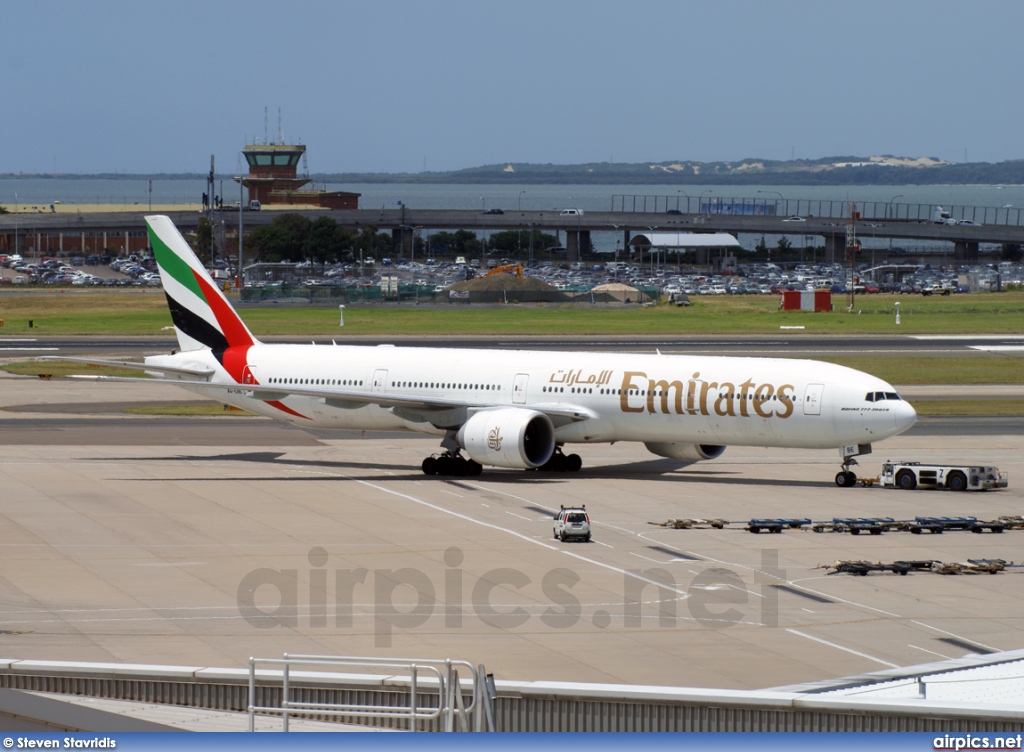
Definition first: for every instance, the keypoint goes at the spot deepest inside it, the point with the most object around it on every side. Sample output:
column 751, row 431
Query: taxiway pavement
column 203, row 541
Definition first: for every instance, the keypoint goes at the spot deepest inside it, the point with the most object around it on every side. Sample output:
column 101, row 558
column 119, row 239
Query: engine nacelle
column 691, row 452
column 508, row 437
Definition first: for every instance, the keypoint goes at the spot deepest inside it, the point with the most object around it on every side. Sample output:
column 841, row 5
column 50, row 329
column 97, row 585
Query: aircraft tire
column 845, row 479
column 429, row 466
column 573, row 463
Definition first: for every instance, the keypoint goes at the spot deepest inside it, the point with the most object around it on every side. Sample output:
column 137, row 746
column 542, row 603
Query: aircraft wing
column 409, row 407
column 135, row 365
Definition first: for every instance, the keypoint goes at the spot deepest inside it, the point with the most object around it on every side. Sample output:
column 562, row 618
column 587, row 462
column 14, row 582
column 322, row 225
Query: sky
column 137, row 86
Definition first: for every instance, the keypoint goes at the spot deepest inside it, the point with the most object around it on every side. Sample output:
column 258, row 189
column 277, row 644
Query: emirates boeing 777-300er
column 515, row 409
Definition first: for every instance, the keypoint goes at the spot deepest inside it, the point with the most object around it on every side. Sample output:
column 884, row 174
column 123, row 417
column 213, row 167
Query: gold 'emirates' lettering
column 697, row 396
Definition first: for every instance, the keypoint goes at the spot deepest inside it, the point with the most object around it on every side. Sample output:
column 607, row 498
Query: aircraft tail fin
column 202, row 316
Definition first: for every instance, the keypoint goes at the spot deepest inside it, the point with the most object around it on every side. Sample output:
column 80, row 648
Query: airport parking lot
column 204, row 541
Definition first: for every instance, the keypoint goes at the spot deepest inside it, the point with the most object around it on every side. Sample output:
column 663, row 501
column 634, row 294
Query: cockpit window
column 879, row 396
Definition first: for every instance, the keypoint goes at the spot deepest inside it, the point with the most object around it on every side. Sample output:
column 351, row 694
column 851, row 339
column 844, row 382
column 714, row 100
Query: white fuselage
column 623, row 396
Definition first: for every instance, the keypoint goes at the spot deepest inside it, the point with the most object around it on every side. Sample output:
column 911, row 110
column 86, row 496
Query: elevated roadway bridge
column 71, row 229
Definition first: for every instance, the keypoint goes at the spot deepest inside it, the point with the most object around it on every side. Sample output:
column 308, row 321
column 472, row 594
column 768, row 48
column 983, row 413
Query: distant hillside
column 887, row 170
column 884, row 170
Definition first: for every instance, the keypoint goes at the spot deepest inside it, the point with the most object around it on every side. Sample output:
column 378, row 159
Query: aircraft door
column 380, row 380
column 812, row 399
column 248, row 377
column 519, row 388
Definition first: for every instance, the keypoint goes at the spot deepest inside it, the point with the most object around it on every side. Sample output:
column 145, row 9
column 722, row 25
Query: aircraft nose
column 905, row 416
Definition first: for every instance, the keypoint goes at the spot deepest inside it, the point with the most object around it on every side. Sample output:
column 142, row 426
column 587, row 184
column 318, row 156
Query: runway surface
column 204, row 541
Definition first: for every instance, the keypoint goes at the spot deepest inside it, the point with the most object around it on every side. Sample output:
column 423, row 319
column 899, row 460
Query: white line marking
column 647, row 558
column 928, row 651
column 517, row 515
column 845, row 649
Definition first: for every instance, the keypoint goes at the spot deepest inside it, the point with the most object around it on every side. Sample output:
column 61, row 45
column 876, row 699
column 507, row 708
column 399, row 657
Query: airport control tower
column 274, row 179
column 273, row 168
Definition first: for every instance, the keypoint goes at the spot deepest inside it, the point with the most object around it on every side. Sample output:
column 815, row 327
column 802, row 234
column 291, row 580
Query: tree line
column 293, row 237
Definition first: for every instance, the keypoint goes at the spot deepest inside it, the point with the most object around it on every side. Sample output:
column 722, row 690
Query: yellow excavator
column 516, row 269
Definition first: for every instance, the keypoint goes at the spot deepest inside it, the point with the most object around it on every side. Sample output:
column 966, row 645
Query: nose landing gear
column 846, row 478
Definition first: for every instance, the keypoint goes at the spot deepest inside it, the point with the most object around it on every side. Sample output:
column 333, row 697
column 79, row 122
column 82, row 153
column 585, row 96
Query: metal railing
column 439, row 697
column 838, row 209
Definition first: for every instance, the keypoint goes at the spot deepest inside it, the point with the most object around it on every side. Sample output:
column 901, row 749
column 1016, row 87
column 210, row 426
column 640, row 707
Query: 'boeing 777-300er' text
column 516, row 409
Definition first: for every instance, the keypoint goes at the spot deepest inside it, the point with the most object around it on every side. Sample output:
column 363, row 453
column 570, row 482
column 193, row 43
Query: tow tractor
column 911, row 475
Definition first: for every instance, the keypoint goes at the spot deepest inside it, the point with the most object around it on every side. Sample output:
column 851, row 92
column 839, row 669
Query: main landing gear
column 562, row 463
column 451, row 464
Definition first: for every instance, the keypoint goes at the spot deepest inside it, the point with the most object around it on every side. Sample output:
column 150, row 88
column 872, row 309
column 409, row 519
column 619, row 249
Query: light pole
column 15, row 223
column 783, row 198
column 238, row 277
column 887, row 207
column 679, row 190
column 412, row 251
column 521, row 200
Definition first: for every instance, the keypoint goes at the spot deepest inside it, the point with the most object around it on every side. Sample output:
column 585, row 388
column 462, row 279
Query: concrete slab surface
column 163, row 541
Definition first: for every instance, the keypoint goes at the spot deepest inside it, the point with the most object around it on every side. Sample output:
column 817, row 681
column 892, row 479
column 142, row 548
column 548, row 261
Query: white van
column 571, row 213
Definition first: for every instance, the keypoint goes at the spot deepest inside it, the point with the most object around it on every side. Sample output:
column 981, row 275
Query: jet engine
column 508, row 437
column 691, row 452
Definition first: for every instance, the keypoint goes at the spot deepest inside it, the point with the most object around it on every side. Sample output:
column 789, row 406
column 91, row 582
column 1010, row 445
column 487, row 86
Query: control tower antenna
column 265, row 136
column 280, row 130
